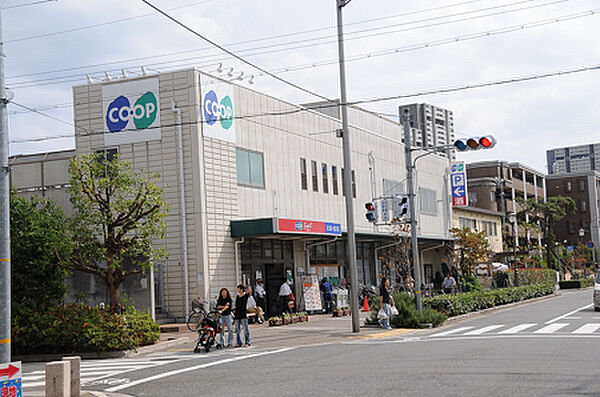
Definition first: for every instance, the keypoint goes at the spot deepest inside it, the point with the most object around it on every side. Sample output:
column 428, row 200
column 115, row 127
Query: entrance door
column 273, row 278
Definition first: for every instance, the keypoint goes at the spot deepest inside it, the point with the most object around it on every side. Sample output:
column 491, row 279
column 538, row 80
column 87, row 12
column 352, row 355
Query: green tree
column 547, row 215
column 39, row 237
column 119, row 211
column 471, row 247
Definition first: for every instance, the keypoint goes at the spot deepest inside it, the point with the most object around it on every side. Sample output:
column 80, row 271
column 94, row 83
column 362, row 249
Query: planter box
column 570, row 284
column 337, row 314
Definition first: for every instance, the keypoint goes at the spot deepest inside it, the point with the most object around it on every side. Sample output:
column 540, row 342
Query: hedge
column 78, row 328
column 454, row 305
column 408, row 315
column 534, row 276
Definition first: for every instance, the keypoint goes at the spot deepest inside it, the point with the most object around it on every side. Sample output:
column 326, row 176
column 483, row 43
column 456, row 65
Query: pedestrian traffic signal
column 401, row 206
column 475, row 143
column 371, row 212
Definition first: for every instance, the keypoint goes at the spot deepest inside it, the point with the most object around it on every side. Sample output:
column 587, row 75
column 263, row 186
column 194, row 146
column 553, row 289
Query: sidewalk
column 320, row 328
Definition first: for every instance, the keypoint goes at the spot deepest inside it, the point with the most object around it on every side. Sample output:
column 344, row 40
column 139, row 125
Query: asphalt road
column 551, row 347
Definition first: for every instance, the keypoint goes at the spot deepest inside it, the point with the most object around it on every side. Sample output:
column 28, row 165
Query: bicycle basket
column 197, row 305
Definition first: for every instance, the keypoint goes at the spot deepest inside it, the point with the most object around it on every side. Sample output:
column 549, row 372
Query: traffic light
column 371, row 212
column 475, row 143
column 401, row 207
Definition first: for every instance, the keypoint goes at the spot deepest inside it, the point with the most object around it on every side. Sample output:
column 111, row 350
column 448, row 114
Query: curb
column 157, row 347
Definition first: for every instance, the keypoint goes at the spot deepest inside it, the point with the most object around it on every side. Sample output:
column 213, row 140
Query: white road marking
column 549, row 329
column 194, row 368
column 484, row 330
column 450, row 332
column 568, row 314
column 573, row 318
column 516, row 329
column 587, row 329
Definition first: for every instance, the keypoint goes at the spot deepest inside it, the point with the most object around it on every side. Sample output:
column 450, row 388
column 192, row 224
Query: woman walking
column 385, row 303
column 224, row 305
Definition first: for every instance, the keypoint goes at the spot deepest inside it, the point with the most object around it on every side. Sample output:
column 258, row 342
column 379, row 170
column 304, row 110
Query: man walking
column 260, row 295
column 449, row 284
column 284, row 297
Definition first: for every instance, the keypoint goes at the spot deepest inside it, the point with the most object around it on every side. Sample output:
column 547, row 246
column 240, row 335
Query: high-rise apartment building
column 435, row 125
column 573, row 159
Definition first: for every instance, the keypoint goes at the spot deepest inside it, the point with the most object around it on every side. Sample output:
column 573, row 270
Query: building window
column 571, row 227
column 107, row 154
column 428, row 201
column 250, row 168
column 493, row 196
column 583, row 206
column 315, row 176
column 467, row 223
column 325, row 178
column 582, row 186
column 489, row 228
column 303, row 176
column 569, row 186
column 334, row 179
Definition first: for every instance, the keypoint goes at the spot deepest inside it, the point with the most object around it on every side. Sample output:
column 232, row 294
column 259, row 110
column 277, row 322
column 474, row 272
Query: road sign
column 590, row 244
column 10, row 380
column 458, row 181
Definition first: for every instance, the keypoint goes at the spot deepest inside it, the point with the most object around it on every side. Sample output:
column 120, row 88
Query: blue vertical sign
column 458, row 182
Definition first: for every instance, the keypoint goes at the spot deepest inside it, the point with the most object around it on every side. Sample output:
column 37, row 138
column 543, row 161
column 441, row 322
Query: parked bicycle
column 199, row 311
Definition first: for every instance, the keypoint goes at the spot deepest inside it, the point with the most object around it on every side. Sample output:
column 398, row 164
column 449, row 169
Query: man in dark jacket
column 241, row 319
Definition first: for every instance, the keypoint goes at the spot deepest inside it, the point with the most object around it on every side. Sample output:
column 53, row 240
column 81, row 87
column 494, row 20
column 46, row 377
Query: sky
column 393, row 48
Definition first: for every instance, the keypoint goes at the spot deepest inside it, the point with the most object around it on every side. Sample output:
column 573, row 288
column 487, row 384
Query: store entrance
column 274, row 277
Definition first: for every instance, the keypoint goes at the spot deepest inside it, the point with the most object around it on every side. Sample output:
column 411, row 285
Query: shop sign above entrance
column 308, row 227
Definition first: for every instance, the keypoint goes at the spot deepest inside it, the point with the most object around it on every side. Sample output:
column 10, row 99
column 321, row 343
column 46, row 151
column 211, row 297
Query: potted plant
column 337, row 312
column 275, row 321
column 346, row 310
column 286, row 319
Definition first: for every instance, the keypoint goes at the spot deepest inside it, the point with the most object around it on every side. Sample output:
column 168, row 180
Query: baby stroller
column 207, row 332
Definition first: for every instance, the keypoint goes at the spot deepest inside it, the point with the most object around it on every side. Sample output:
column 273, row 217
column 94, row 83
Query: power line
column 322, row 40
column 266, row 72
column 413, row 47
column 28, row 4
column 96, row 25
column 297, row 109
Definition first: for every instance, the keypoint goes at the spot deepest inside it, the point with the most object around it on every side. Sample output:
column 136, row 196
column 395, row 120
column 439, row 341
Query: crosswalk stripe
column 484, row 330
column 518, row 328
column 452, row 331
column 587, row 329
column 549, row 329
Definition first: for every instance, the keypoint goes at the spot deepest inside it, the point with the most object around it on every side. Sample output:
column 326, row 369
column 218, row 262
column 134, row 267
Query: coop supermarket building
column 254, row 183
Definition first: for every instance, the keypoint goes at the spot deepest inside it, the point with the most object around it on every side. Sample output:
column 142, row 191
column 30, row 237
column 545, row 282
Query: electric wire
column 323, row 40
column 234, row 55
column 34, row 3
column 298, row 109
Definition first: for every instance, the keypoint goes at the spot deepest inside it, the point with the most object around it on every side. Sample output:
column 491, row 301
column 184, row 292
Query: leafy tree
column 39, row 237
column 548, row 214
column 118, row 211
column 472, row 248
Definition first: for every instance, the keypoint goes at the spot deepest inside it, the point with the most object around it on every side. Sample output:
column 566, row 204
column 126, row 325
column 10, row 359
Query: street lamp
column 512, row 219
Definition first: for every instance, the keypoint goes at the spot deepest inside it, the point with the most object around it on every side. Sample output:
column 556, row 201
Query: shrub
column 534, row 276
column 454, row 305
column 408, row 315
column 78, row 328
column 471, row 283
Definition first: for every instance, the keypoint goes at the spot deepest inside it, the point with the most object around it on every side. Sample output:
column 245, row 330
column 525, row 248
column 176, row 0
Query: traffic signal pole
column 413, row 213
column 348, row 174
column 4, row 218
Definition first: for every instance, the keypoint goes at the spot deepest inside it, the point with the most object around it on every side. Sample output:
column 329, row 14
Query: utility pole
column 412, row 205
column 4, row 218
column 348, row 173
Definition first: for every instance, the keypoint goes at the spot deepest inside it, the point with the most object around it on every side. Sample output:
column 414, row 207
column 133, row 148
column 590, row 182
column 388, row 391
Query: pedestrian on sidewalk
column 385, row 303
column 449, row 284
column 327, row 296
column 284, row 297
column 241, row 319
column 252, row 308
column 224, row 304
column 260, row 295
